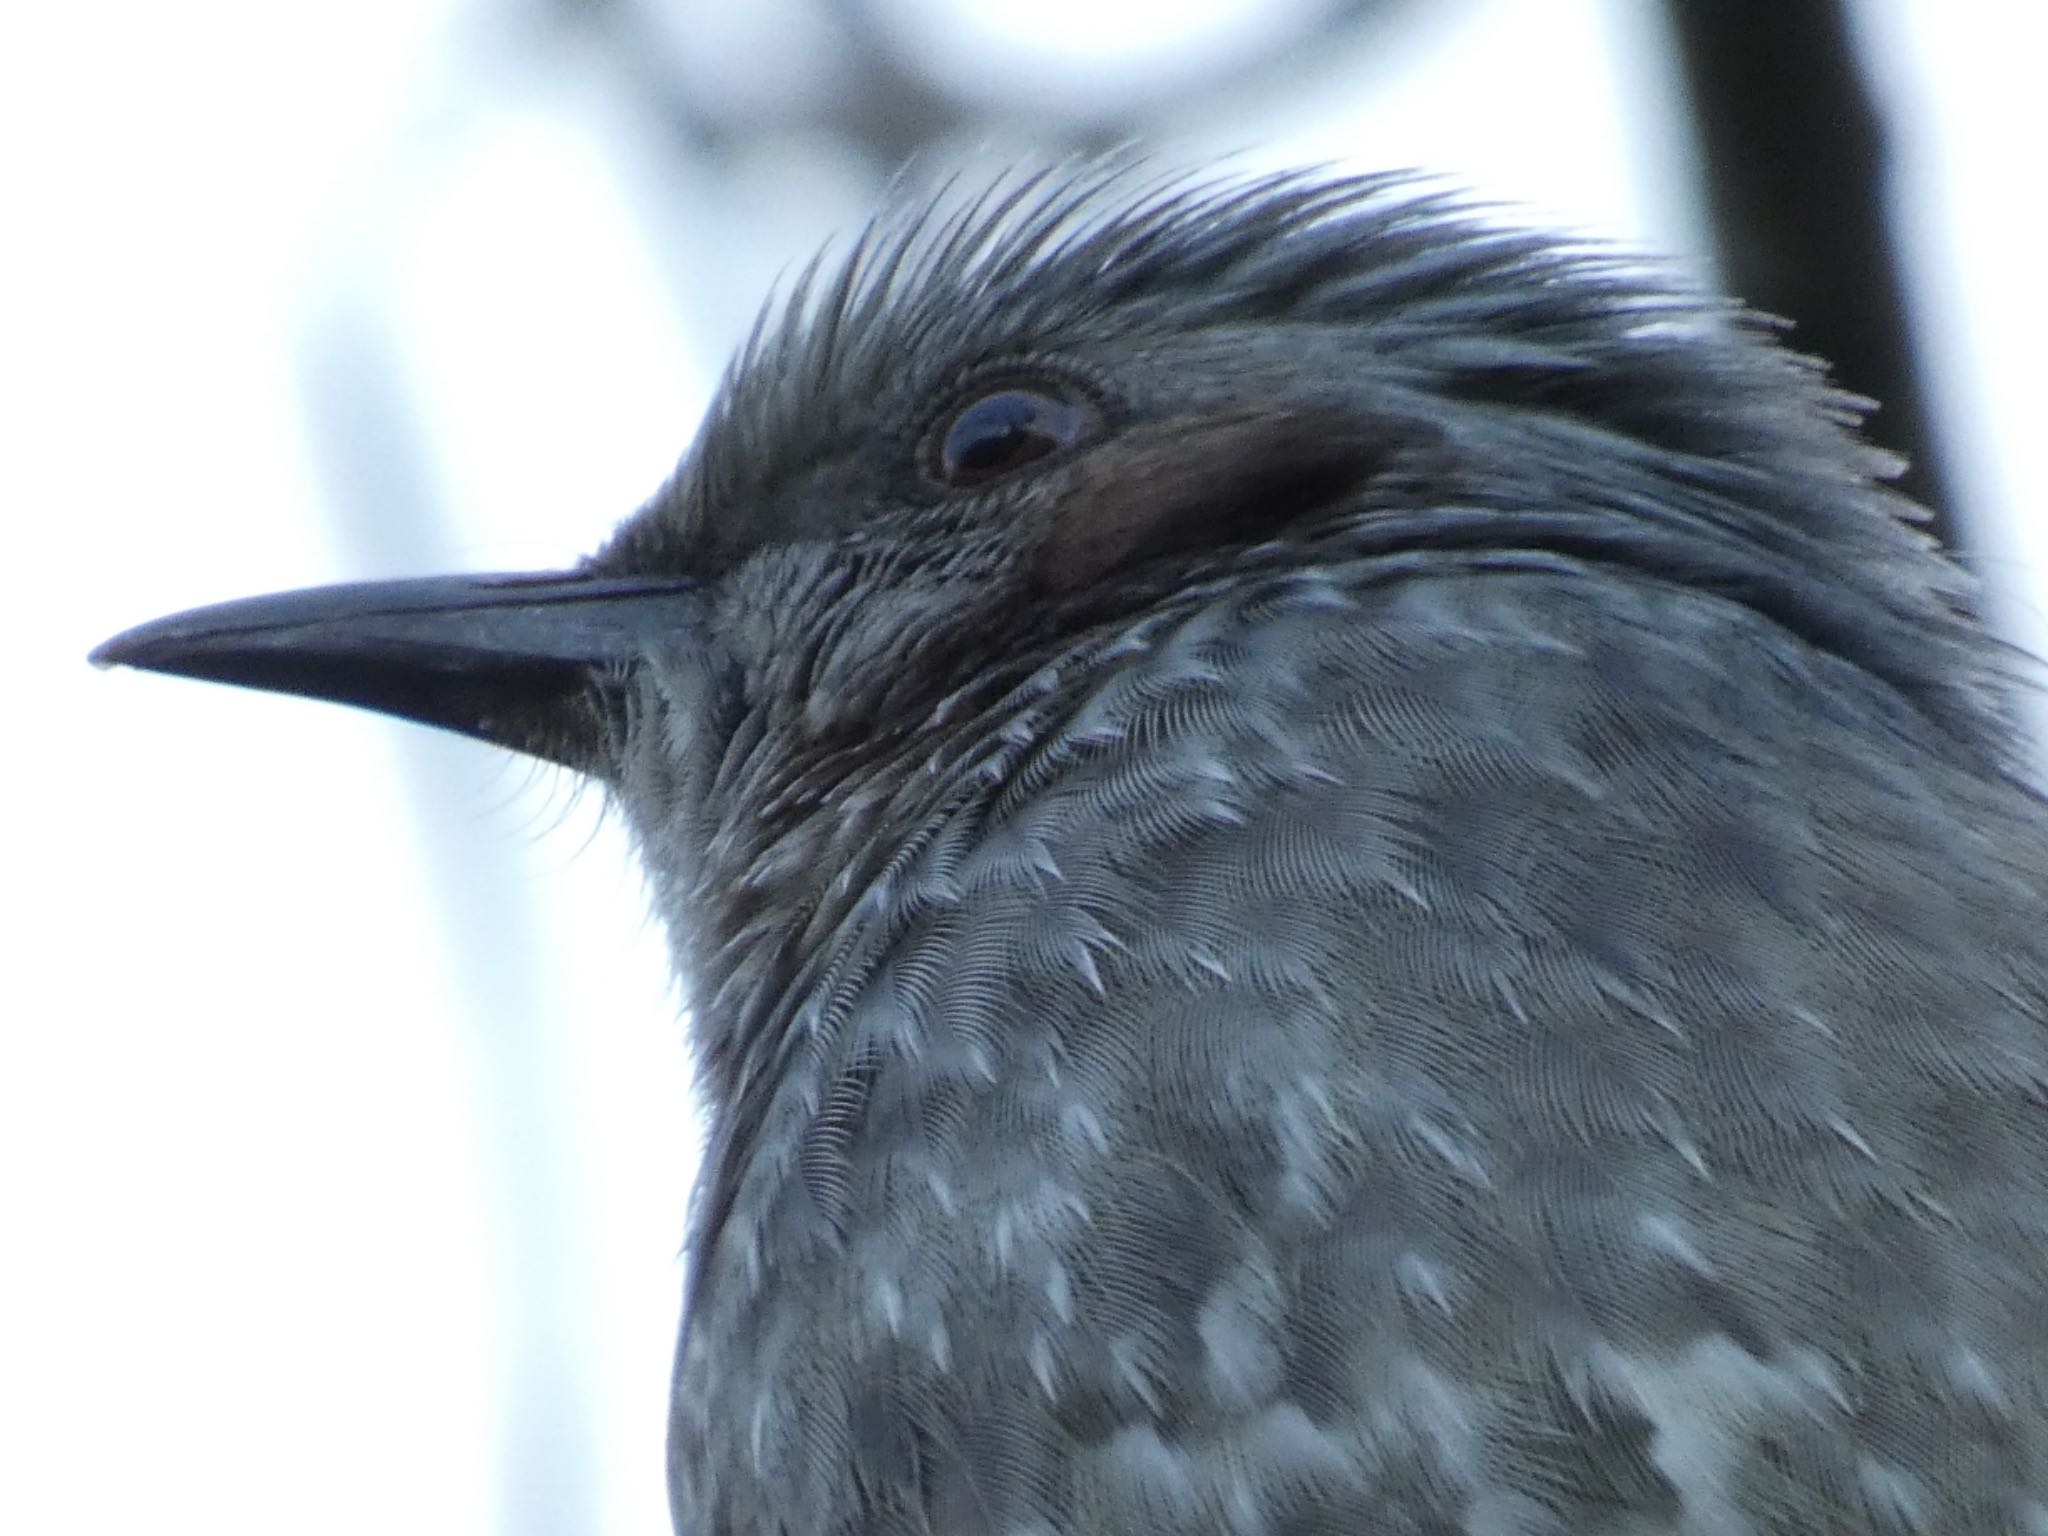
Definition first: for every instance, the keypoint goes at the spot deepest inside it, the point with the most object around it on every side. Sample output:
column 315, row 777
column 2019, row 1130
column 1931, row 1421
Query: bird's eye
column 995, row 433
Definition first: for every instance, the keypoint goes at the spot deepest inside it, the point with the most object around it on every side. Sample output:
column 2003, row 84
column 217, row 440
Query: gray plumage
column 1392, row 896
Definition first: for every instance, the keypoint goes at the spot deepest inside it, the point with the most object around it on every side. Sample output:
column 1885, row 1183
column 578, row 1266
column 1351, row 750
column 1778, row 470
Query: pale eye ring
column 998, row 431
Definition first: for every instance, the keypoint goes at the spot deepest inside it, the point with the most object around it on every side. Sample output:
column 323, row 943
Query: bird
column 1340, row 867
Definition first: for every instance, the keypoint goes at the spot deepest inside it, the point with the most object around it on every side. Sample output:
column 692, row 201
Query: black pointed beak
column 530, row 662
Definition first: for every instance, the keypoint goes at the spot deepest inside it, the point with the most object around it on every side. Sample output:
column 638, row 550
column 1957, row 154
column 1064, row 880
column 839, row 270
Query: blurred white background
column 344, row 1109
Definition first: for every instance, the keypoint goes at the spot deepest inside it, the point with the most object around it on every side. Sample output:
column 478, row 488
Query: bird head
column 1010, row 420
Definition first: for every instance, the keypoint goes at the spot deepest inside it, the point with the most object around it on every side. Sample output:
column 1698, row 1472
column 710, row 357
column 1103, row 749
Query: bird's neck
column 790, row 875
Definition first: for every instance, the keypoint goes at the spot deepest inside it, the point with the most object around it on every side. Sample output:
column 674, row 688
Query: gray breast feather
column 1489, row 1054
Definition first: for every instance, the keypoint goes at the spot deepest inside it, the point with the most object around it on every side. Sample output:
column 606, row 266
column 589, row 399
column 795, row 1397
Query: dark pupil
column 1002, row 431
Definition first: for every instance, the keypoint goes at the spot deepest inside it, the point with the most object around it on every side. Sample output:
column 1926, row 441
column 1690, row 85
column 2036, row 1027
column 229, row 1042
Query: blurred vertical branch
column 1795, row 155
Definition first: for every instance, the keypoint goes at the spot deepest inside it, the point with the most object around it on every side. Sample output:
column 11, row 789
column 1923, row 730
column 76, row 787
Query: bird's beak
column 530, row 662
